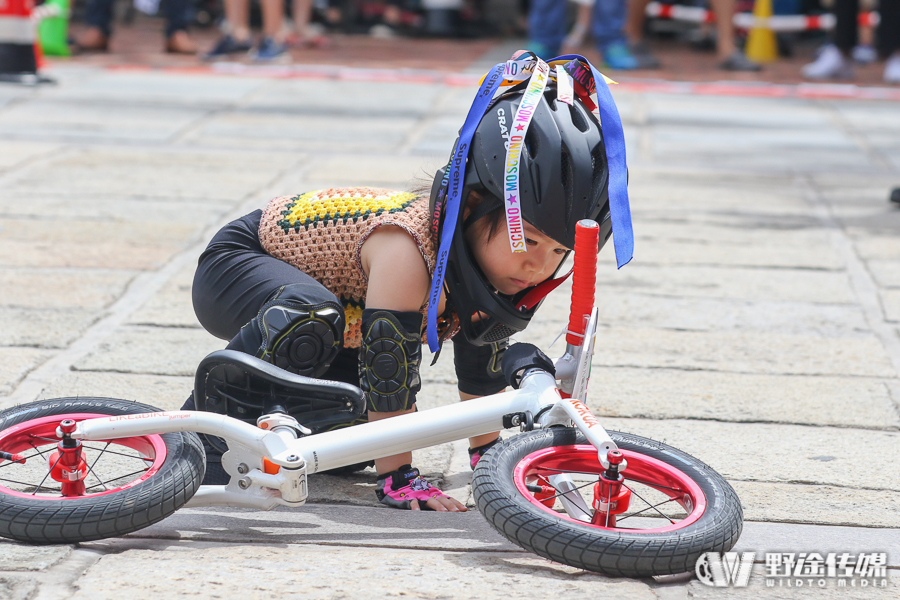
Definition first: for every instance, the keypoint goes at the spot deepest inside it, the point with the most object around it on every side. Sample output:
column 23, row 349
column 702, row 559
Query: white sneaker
column 892, row 69
column 864, row 55
column 830, row 64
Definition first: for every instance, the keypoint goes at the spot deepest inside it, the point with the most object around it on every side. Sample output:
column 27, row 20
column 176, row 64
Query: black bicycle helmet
column 563, row 178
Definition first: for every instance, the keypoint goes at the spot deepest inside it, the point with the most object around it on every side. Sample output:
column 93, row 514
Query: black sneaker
column 227, row 45
column 738, row 62
column 270, row 51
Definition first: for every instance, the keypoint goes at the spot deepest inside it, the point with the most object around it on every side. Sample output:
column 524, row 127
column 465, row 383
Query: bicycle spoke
column 651, row 506
column 648, row 484
column 26, row 458
column 648, row 508
column 40, row 485
column 101, row 450
column 572, row 490
column 653, row 485
column 41, row 452
column 569, row 471
column 124, row 476
column 22, row 483
column 48, row 439
column 91, row 467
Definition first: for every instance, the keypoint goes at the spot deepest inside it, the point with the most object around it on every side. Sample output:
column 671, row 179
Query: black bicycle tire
column 73, row 520
column 618, row 554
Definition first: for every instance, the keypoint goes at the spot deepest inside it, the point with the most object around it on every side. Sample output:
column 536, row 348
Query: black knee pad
column 293, row 333
column 389, row 359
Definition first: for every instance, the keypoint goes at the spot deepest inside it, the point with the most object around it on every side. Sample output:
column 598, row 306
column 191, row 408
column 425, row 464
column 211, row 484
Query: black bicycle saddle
column 232, row 383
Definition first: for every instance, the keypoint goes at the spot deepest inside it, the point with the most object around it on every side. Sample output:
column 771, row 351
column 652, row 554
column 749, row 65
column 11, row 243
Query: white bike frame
column 269, row 467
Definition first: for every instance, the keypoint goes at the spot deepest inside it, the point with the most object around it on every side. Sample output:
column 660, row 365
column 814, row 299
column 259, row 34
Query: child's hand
column 441, row 504
column 406, row 489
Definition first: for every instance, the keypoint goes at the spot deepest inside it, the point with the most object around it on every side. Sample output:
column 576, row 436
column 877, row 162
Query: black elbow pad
column 389, row 359
column 478, row 367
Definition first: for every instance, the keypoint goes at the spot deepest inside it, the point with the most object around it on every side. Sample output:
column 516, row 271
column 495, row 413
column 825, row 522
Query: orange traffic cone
column 18, row 51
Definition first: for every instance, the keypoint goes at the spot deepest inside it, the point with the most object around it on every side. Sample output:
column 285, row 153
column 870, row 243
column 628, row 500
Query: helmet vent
column 578, row 119
column 598, row 162
column 567, row 179
column 532, row 143
column 499, row 332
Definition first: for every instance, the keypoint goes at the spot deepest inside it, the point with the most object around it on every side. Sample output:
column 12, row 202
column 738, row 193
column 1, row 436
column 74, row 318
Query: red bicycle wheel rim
column 20, row 438
column 641, row 468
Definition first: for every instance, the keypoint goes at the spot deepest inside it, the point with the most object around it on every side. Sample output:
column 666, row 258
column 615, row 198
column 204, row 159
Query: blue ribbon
column 455, row 179
column 614, row 139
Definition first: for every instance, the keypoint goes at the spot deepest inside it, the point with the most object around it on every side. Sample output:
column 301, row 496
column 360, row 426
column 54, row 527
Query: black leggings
column 846, row 30
column 235, row 277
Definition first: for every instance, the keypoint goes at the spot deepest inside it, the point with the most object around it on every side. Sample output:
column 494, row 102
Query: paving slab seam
column 766, row 175
column 844, row 125
column 212, row 113
column 61, row 152
column 812, row 524
column 276, row 543
column 625, row 365
column 647, row 263
column 141, row 289
column 650, row 417
column 861, row 280
column 424, row 124
column 60, row 582
column 819, row 484
column 24, row 164
column 640, row 119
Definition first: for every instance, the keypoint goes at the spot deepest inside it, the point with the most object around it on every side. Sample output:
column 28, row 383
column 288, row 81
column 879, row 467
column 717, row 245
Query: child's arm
column 398, row 283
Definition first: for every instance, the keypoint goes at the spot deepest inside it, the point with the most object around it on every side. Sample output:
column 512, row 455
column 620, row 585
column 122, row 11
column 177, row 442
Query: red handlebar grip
column 587, row 240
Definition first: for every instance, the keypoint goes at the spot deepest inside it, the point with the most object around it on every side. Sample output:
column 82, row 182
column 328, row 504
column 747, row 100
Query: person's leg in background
column 634, row 31
column 305, row 33
column 889, row 38
column 237, row 36
column 547, row 20
column 98, row 17
column 577, row 35
column 272, row 47
column 609, row 33
column 177, row 20
column 730, row 58
column 833, row 61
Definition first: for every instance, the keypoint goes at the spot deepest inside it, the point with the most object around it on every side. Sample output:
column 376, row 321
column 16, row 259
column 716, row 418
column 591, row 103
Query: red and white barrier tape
column 694, row 14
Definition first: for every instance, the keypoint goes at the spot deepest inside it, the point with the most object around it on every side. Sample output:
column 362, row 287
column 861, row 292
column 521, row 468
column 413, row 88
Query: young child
column 336, row 283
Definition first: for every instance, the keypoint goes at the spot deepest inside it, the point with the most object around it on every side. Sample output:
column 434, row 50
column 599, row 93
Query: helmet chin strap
column 488, row 206
column 540, row 291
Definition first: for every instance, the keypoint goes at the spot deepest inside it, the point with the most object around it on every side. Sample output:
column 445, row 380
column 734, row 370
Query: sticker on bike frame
column 519, row 129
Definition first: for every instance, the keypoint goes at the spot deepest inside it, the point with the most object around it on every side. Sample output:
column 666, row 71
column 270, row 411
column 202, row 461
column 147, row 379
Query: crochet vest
column 322, row 233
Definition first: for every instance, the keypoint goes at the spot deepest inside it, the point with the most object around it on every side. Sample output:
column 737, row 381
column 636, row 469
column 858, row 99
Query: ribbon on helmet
column 614, row 140
column 540, row 74
column 586, row 83
column 456, row 176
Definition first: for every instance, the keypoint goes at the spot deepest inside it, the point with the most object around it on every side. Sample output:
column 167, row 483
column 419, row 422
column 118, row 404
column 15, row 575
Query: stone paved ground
column 757, row 327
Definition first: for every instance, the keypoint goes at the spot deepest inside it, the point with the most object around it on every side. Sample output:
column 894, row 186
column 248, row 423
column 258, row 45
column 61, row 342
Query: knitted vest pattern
column 322, row 233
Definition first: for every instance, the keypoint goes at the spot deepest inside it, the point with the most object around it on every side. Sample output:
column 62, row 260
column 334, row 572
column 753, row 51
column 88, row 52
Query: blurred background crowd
column 627, row 34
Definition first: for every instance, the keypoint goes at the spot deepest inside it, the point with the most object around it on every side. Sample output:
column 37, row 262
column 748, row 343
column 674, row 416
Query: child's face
column 510, row 272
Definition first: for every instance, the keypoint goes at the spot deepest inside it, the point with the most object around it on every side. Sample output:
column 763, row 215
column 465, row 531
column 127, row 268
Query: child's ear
column 472, row 203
